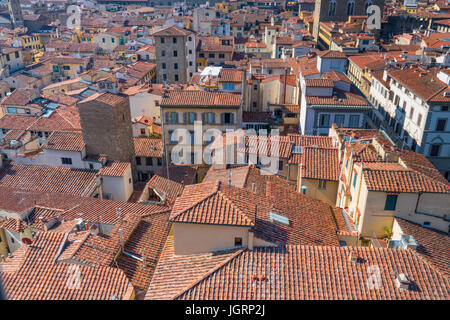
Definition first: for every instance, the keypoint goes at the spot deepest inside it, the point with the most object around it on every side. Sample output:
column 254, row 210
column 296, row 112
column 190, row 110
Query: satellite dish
column 26, row 241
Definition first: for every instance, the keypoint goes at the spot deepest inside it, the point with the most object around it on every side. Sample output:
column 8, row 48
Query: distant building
column 106, row 126
column 175, row 55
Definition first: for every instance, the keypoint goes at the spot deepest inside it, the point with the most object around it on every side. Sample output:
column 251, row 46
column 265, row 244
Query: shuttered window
column 391, row 202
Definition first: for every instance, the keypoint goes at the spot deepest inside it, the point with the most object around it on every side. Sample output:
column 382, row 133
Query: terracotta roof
column 37, row 276
column 310, row 221
column 230, row 75
column 114, row 169
column 326, row 83
column 106, row 98
column 341, row 98
column 49, row 179
column 200, row 99
column 145, row 242
column 332, row 54
column 68, row 141
column 20, row 97
column 294, row 272
column 433, row 244
column 172, row 31
column 320, row 163
column 427, row 87
column 172, row 187
column 392, row 177
column 148, row 147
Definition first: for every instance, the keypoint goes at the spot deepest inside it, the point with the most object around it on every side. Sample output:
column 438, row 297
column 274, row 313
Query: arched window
column 350, row 7
column 332, row 8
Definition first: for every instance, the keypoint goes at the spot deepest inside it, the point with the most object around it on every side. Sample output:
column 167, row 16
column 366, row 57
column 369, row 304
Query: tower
column 15, row 12
column 106, row 126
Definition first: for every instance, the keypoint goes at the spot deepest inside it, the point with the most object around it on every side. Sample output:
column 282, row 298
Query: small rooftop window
column 279, row 218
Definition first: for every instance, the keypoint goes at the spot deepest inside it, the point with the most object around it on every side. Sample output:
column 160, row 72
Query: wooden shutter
column 167, row 116
column 232, row 118
column 185, row 117
column 203, row 117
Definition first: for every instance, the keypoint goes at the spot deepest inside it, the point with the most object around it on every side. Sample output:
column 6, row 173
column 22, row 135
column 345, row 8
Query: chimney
column 402, row 281
column 250, row 240
column 353, row 257
column 121, row 238
column 269, row 189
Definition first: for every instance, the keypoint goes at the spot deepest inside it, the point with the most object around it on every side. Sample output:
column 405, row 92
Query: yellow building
column 215, row 110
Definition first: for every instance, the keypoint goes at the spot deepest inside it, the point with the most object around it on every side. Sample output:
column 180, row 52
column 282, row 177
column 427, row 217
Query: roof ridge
column 245, row 216
column 210, row 194
column 210, row 272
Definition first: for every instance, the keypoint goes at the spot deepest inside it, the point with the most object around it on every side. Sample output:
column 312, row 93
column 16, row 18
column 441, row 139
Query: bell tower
column 15, row 12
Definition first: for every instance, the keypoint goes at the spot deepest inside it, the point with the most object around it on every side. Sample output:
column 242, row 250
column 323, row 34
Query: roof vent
column 297, row 149
column 278, row 218
column 353, row 257
column 402, row 281
column 408, row 242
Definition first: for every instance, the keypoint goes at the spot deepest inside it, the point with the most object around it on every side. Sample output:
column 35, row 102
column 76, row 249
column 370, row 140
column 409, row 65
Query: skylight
column 278, row 218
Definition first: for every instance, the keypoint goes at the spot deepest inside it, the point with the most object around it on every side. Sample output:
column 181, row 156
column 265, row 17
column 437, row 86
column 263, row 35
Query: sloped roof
column 293, row 272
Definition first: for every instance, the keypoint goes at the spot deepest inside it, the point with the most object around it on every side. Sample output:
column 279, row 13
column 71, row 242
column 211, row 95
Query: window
column 163, row 65
column 354, row 121
column 434, row 150
column 411, row 113
column 190, row 51
column 391, row 202
column 339, row 120
column 355, row 176
column 175, row 53
column 332, row 8
column 201, row 55
column 163, row 53
column 190, row 64
column 142, row 131
column 221, row 56
column 255, row 87
column 238, row 242
column 91, row 166
column 324, row 121
column 103, row 40
column 440, row 126
column 138, row 161
column 174, row 40
column 280, row 165
column 228, row 86
column 323, row 184
column 148, row 161
column 227, row 118
column 350, row 8
column 209, row 118
column 190, row 117
column 163, row 40
column 419, row 119
column 112, row 40
column 211, row 55
column 190, row 38
column 66, row 160
column 176, row 77
column 17, row 54
column 175, row 66
column 171, row 117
